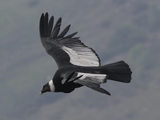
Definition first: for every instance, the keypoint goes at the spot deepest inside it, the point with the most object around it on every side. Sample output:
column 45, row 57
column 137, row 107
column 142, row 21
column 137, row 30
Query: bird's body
column 78, row 64
column 70, row 73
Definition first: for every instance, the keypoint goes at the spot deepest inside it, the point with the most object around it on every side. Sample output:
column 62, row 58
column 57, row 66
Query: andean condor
column 78, row 64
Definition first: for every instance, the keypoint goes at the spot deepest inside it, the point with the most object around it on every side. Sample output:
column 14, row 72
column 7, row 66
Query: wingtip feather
column 64, row 32
column 50, row 25
column 47, row 30
column 41, row 25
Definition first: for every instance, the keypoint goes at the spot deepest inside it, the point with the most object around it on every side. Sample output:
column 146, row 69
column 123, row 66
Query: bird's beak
column 40, row 93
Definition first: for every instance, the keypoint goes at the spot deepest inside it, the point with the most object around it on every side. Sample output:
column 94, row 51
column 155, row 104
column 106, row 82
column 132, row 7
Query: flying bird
column 78, row 64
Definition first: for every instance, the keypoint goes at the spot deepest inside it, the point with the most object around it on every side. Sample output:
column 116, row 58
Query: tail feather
column 118, row 71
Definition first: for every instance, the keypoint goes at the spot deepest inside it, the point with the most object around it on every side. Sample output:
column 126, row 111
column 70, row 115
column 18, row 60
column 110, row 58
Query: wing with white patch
column 66, row 50
column 92, row 81
column 90, row 77
column 92, row 85
column 93, row 78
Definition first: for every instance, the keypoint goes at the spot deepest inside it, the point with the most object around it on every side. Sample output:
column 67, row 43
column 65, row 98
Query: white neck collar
column 51, row 85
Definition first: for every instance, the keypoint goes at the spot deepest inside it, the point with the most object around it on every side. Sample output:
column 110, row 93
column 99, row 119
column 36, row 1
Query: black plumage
column 78, row 65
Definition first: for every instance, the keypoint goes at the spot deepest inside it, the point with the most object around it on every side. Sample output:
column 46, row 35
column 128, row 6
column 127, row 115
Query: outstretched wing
column 93, row 86
column 89, row 80
column 66, row 50
column 92, row 81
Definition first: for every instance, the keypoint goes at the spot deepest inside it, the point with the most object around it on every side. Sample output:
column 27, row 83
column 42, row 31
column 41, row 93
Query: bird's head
column 48, row 87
